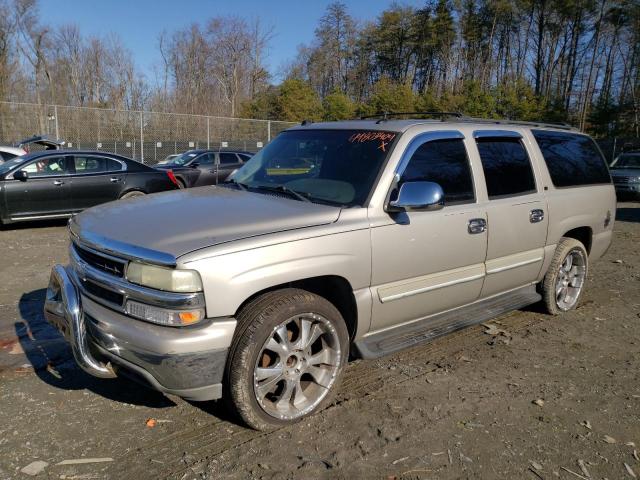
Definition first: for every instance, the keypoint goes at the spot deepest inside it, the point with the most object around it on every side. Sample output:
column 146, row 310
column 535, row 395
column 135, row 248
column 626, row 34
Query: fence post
column 142, row 136
column 268, row 131
column 55, row 114
column 208, row 134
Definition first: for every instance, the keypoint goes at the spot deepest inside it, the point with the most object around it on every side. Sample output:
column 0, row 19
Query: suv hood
column 179, row 222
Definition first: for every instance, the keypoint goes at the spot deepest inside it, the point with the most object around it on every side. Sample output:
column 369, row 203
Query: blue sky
column 139, row 22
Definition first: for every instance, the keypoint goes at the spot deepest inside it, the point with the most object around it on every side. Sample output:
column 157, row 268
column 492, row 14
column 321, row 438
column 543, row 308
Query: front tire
column 286, row 358
column 563, row 284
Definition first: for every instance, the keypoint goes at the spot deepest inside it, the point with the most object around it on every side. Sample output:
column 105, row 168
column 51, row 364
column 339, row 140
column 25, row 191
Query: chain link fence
column 145, row 136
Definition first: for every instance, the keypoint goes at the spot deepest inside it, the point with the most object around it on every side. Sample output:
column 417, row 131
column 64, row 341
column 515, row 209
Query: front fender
column 230, row 279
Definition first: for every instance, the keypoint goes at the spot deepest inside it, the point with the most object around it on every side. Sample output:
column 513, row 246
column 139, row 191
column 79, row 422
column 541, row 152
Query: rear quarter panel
column 574, row 207
column 148, row 182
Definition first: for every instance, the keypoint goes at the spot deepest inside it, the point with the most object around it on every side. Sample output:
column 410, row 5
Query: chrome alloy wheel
column 570, row 280
column 297, row 366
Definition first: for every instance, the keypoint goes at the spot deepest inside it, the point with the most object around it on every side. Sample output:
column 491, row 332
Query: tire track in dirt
column 362, row 378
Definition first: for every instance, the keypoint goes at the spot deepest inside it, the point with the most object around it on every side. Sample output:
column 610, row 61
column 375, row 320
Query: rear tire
column 563, row 285
column 135, row 193
column 271, row 381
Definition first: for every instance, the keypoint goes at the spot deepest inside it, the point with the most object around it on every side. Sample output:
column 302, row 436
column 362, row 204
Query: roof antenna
column 306, row 122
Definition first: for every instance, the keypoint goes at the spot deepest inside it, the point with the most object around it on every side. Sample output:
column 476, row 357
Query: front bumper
column 188, row 362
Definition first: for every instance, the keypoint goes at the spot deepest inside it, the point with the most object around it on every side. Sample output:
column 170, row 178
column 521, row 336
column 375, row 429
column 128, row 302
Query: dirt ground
column 548, row 397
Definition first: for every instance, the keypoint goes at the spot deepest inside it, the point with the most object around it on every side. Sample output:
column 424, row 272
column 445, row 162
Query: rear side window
column 444, row 162
column 506, row 165
column 572, row 159
column 95, row 165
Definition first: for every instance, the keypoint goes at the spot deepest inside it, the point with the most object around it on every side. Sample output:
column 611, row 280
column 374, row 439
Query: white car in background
column 22, row 147
column 7, row 153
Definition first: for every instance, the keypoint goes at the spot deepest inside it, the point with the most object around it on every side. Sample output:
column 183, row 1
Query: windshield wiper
column 282, row 189
column 232, row 181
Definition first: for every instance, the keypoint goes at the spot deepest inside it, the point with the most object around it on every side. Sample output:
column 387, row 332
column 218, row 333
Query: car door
column 95, row 179
column 425, row 262
column 206, row 164
column 228, row 163
column 516, row 211
column 45, row 192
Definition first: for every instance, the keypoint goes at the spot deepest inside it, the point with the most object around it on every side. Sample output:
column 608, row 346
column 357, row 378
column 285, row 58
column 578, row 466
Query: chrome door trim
column 411, row 287
column 496, row 134
column 516, row 260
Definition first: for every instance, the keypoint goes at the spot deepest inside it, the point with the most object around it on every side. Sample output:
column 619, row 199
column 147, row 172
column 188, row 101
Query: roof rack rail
column 385, row 115
column 504, row 121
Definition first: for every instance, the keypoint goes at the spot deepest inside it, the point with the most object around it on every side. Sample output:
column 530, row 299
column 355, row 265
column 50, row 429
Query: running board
column 405, row 336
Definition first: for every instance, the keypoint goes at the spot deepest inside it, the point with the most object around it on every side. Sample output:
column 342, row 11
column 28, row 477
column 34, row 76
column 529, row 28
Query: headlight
column 161, row 278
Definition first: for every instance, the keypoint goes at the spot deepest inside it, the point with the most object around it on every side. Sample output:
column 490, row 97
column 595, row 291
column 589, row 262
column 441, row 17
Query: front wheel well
column 333, row 288
column 583, row 234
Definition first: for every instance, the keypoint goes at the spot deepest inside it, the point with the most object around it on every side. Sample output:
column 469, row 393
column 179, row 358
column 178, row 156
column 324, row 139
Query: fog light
column 163, row 316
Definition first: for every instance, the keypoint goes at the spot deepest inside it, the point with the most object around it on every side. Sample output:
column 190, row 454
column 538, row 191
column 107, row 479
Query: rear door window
column 446, row 163
column 90, row 164
column 506, row 165
column 572, row 159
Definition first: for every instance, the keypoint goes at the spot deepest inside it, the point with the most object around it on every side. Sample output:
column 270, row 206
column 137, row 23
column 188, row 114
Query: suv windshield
column 627, row 160
column 336, row 167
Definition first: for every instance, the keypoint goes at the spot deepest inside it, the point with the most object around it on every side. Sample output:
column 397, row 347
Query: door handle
column 57, row 183
column 114, row 180
column 536, row 215
column 476, row 225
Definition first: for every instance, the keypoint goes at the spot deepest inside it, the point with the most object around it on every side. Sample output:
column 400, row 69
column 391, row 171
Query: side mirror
column 418, row 196
column 21, row 175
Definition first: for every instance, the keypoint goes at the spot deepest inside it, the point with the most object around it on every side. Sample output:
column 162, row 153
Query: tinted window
column 96, row 165
column 506, row 165
column 244, row 157
column 446, row 163
column 571, row 159
column 206, row 159
column 46, row 167
column 228, row 158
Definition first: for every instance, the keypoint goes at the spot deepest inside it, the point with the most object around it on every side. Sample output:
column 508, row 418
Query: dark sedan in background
column 55, row 184
column 195, row 168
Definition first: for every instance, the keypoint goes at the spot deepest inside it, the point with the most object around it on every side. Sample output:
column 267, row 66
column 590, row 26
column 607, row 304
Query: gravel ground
column 548, row 397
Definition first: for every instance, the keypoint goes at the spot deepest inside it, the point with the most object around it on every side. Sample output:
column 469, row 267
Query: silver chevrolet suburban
column 337, row 240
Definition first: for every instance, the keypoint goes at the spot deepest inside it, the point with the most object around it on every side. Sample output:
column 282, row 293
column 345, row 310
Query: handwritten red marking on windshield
column 382, row 146
column 362, row 137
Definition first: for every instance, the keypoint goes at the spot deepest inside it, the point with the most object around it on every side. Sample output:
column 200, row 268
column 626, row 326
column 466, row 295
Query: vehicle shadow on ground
column 628, row 215
column 52, row 359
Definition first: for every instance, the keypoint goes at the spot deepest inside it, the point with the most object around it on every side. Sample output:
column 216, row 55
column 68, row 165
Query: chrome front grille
column 102, row 262
column 621, row 180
